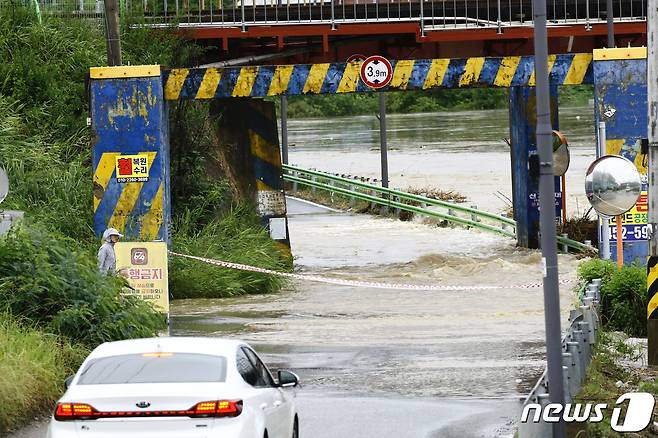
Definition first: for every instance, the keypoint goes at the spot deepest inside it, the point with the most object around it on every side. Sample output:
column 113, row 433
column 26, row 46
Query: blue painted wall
column 620, row 88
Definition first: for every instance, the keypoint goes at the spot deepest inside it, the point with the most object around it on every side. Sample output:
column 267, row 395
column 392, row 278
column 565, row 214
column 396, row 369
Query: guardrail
column 577, row 347
column 392, row 198
column 429, row 14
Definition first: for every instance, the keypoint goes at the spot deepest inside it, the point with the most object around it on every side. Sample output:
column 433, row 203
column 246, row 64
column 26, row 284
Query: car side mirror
column 287, row 379
column 68, row 381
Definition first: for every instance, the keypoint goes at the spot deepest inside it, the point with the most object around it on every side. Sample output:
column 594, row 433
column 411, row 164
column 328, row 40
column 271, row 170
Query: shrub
column 46, row 281
column 33, row 366
column 623, row 294
column 624, row 300
column 234, row 239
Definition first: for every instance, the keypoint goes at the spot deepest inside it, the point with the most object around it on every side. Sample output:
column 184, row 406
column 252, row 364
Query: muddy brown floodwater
column 396, row 343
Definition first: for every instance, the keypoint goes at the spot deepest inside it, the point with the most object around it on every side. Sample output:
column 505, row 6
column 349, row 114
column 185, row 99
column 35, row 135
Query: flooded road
column 405, row 363
column 471, row 351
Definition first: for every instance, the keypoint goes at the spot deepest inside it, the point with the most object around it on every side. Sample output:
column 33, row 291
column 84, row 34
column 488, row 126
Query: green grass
column 233, row 239
column 33, row 366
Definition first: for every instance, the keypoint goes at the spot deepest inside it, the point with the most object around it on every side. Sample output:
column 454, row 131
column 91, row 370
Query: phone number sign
column 132, row 168
column 635, row 222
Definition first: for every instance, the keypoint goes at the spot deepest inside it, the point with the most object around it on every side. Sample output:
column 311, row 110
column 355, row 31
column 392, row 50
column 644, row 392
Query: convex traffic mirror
column 561, row 157
column 612, row 185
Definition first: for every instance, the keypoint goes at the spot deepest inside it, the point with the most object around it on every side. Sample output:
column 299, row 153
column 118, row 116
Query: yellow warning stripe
column 209, row 84
column 472, row 71
column 175, row 83
column 262, row 187
column 316, row 78
column 506, row 71
column 401, row 74
column 103, row 173
column 350, row 78
column 578, row 69
column 436, row 73
column 245, row 81
column 280, row 80
column 152, row 221
column 264, row 150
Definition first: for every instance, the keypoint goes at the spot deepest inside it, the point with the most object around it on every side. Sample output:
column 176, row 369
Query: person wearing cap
column 107, row 260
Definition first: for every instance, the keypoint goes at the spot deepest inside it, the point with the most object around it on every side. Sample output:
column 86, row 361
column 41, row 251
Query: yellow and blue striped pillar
column 525, row 162
column 620, row 92
column 130, row 152
column 268, row 172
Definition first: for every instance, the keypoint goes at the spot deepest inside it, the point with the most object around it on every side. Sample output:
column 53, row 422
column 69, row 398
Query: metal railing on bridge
column 429, row 14
column 412, row 203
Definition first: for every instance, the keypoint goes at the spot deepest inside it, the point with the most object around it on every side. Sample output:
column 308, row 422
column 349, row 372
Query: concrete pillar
column 248, row 153
column 525, row 162
column 131, row 152
column 620, row 94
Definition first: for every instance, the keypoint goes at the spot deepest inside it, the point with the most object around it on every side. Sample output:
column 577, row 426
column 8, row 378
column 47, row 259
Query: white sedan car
column 176, row 388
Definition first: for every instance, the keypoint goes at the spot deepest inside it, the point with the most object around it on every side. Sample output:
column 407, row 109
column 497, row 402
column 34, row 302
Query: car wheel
column 295, row 429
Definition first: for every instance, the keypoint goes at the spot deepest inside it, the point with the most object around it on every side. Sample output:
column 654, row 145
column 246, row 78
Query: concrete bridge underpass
column 129, row 107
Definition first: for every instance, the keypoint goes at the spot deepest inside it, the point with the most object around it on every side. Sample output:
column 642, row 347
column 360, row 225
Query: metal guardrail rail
column 397, row 199
column 429, row 14
column 577, row 347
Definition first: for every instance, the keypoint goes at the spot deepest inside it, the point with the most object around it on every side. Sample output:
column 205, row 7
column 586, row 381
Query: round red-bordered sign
column 376, row 72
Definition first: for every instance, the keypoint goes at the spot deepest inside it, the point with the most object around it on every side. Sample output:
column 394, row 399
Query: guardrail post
column 314, row 179
column 566, row 378
column 579, row 372
column 474, row 217
column 579, row 337
column 451, row 212
column 295, row 185
column 588, row 317
column 397, row 199
column 565, row 247
column 352, row 198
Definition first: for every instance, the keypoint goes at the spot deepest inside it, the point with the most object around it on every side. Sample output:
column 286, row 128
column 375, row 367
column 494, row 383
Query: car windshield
column 154, row 368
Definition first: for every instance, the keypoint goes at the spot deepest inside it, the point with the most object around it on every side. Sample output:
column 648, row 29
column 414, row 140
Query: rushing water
column 406, row 343
column 460, row 151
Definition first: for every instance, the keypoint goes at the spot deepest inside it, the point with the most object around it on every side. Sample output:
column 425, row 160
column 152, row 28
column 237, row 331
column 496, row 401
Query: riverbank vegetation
column 33, row 366
column 404, row 102
column 54, row 303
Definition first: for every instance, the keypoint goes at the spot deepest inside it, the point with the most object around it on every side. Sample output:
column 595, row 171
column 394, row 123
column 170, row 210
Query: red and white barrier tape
column 356, row 283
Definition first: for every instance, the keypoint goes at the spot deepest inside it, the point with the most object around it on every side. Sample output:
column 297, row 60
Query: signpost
column 144, row 265
column 376, row 72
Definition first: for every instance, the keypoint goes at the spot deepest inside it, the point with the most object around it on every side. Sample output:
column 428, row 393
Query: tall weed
column 33, row 366
column 232, row 238
column 44, row 279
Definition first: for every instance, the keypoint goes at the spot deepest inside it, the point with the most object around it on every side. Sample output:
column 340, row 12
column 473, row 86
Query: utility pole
column 547, row 216
column 611, row 25
column 112, row 33
column 652, row 268
column 382, row 138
